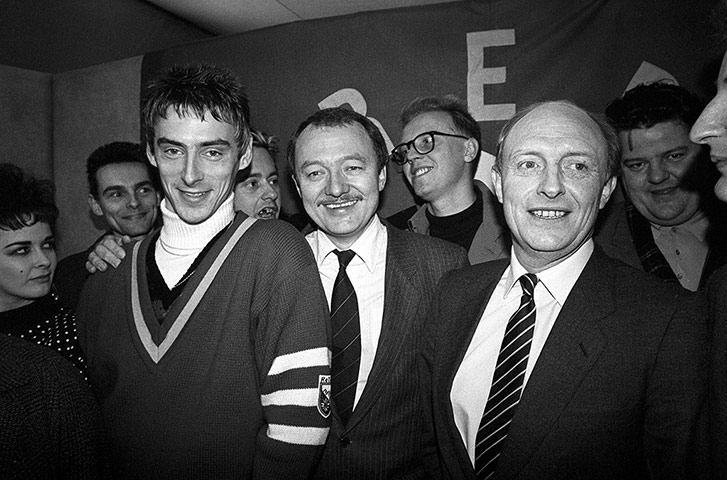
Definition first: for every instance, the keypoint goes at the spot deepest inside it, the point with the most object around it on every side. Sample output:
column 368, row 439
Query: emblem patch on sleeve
column 324, row 395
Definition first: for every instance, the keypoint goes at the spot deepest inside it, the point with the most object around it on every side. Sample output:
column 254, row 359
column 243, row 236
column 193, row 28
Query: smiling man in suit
column 561, row 362
column 379, row 282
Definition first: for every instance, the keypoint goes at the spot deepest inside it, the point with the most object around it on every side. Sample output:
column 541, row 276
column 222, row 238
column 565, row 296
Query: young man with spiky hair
column 207, row 348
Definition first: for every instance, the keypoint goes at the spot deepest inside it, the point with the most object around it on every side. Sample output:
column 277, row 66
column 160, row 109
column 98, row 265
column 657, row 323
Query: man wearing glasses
column 439, row 153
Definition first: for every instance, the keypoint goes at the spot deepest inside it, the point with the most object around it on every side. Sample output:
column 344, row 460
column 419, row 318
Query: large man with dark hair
column 379, row 282
column 439, row 153
column 207, row 347
column 124, row 190
column 668, row 221
column 563, row 363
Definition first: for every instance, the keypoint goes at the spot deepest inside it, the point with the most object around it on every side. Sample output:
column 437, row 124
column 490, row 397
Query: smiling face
column 437, row 173
column 711, row 129
column 259, row 194
column 655, row 167
column 27, row 264
column 339, row 180
column 126, row 198
column 197, row 163
column 554, row 180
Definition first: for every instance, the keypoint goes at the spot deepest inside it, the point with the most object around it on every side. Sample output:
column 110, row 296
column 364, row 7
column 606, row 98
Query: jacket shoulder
column 425, row 246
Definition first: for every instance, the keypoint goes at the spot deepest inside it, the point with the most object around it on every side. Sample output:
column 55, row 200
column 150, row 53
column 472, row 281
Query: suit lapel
column 571, row 350
column 401, row 300
column 451, row 351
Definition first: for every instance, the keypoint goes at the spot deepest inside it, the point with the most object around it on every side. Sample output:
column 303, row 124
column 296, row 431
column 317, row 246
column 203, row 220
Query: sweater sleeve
column 294, row 364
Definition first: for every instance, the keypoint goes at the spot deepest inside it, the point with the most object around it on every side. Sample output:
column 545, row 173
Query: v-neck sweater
column 238, row 393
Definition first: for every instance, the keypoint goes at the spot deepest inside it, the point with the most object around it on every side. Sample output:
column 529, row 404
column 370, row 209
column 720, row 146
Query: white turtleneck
column 179, row 243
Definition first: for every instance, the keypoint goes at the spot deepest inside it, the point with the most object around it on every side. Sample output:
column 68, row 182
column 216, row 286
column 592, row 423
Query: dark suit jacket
column 616, row 392
column 384, row 434
column 717, row 291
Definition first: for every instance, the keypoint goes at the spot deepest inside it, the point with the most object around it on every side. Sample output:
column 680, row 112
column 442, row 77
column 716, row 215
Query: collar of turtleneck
column 179, row 242
column 180, row 238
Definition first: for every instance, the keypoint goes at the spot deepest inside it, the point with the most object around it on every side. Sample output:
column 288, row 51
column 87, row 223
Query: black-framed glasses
column 422, row 143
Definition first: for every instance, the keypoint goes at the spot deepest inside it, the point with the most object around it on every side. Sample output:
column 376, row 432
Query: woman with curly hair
column 28, row 308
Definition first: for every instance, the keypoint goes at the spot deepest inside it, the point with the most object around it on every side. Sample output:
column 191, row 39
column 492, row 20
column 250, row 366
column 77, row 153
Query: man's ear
column 295, row 182
column 382, row 178
column 95, row 207
column 608, row 189
column 246, row 157
column 150, row 156
column 471, row 147
column 497, row 183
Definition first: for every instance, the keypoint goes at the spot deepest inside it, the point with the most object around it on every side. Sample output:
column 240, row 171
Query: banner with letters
column 497, row 55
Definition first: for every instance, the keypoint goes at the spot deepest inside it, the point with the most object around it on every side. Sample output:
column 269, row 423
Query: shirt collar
column 557, row 280
column 697, row 226
column 367, row 247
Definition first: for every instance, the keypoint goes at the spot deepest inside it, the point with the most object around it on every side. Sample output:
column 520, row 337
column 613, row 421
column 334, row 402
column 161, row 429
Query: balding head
column 552, row 176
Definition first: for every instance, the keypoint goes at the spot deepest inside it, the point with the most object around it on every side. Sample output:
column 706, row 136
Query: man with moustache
column 207, row 348
column 124, row 190
column 338, row 158
column 439, row 154
column 667, row 222
column 562, row 362
column 711, row 129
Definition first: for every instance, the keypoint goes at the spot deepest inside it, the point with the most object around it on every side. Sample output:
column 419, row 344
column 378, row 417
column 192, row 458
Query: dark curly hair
column 650, row 103
column 24, row 199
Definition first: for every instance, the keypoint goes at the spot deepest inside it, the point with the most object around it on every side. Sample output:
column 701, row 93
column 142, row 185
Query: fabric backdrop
column 497, row 55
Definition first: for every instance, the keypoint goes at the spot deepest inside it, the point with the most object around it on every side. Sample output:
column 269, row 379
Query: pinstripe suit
column 384, row 435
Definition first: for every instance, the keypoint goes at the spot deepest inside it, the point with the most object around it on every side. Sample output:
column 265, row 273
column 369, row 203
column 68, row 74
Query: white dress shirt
column 366, row 272
column 685, row 248
column 472, row 382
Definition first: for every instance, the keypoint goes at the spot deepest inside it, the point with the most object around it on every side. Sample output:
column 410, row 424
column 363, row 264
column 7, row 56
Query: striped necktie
column 346, row 339
column 507, row 382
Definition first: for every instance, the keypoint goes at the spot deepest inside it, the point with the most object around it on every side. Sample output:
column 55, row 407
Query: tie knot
column 344, row 257
column 528, row 282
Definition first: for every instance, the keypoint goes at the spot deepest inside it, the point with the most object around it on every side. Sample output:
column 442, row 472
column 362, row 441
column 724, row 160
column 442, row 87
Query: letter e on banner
column 478, row 75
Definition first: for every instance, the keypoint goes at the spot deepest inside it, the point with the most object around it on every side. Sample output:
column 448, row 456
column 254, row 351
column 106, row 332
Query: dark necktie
column 507, row 382
column 346, row 339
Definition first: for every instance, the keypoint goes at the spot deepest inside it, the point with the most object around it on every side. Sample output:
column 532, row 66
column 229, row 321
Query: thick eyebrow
column 145, row 183
column 112, row 188
column 358, row 157
column 121, row 188
column 211, row 143
column 241, row 177
column 25, row 243
column 677, row 149
column 536, row 153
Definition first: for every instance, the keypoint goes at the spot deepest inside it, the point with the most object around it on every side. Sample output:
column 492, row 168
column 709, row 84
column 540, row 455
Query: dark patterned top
column 46, row 322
